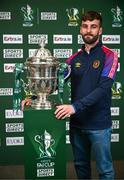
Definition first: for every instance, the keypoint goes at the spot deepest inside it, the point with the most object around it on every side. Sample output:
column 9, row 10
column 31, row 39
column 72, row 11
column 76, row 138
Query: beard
column 90, row 39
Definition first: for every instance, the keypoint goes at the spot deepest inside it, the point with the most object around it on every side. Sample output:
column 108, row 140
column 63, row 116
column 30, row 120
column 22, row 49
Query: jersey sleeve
column 110, row 66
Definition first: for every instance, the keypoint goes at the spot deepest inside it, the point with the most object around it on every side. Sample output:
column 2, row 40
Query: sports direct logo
column 36, row 38
column 62, row 39
column 111, row 39
column 5, row 15
column 14, row 127
column 6, row 91
column 12, row 53
column 62, row 53
column 48, row 16
column 115, row 124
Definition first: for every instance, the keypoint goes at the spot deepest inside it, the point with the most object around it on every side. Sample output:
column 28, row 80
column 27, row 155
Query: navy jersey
column 92, row 76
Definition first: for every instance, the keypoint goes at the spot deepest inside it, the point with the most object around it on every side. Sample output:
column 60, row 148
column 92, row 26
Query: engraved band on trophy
column 45, row 74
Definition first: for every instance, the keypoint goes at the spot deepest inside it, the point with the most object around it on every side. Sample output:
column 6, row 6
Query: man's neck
column 89, row 46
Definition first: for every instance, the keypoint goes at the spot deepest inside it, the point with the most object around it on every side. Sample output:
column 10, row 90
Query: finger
column 63, row 114
column 22, row 105
column 60, row 114
column 66, row 116
column 59, row 108
column 63, row 111
column 27, row 103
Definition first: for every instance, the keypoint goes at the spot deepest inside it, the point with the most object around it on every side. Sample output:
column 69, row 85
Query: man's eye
column 94, row 26
column 83, row 26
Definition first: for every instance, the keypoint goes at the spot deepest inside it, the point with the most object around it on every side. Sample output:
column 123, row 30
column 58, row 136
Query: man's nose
column 88, row 29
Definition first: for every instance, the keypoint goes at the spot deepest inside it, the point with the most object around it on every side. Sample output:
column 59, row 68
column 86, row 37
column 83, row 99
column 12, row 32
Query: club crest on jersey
column 78, row 64
column 96, row 64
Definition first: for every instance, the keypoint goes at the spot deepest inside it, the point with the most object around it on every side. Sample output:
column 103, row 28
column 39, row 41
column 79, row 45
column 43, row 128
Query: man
column 93, row 70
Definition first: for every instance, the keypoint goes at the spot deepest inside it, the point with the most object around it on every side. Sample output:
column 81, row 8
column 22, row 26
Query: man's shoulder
column 76, row 53
column 108, row 51
column 73, row 56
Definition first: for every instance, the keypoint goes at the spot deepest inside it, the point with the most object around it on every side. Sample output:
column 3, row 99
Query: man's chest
column 87, row 65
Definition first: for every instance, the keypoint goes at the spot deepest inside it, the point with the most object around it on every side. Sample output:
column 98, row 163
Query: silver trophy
column 45, row 74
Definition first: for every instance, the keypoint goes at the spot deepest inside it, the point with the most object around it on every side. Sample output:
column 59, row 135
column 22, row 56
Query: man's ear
column 100, row 31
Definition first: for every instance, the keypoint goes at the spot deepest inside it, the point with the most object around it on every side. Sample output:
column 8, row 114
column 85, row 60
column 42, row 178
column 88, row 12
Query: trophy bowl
column 42, row 72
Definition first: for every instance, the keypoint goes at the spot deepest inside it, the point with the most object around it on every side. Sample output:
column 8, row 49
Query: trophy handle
column 18, row 85
column 19, row 67
column 63, row 67
column 68, row 72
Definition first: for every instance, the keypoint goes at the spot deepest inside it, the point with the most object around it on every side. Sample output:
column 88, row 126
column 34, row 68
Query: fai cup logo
column 117, row 17
column 28, row 15
column 116, row 90
column 46, row 145
column 73, row 16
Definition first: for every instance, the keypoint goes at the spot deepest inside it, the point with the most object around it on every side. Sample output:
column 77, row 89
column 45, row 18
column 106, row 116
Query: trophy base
column 116, row 25
column 41, row 105
column 73, row 23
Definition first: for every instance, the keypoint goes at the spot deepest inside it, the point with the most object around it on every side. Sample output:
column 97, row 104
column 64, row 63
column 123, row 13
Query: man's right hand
column 25, row 102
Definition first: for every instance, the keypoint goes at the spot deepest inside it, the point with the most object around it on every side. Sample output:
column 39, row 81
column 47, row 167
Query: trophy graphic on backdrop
column 73, row 16
column 117, row 17
column 28, row 15
column 46, row 145
column 116, row 90
column 45, row 74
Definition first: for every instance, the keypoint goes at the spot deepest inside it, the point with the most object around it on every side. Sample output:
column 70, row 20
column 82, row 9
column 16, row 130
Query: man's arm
column 101, row 90
column 66, row 110
column 105, row 84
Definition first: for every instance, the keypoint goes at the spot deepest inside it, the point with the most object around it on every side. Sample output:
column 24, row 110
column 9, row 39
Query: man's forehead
column 95, row 21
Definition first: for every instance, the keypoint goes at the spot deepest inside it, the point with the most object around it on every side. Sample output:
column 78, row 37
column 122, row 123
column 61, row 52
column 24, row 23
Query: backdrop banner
column 22, row 26
column 44, row 149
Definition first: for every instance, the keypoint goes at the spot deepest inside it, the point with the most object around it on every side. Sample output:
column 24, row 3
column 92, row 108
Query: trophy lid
column 42, row 52
column 42, row 55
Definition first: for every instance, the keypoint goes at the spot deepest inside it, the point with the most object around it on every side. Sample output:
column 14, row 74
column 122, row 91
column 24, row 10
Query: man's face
column 90, row 31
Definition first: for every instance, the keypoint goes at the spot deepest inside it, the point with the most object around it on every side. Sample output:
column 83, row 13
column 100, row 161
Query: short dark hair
column 92, row 15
